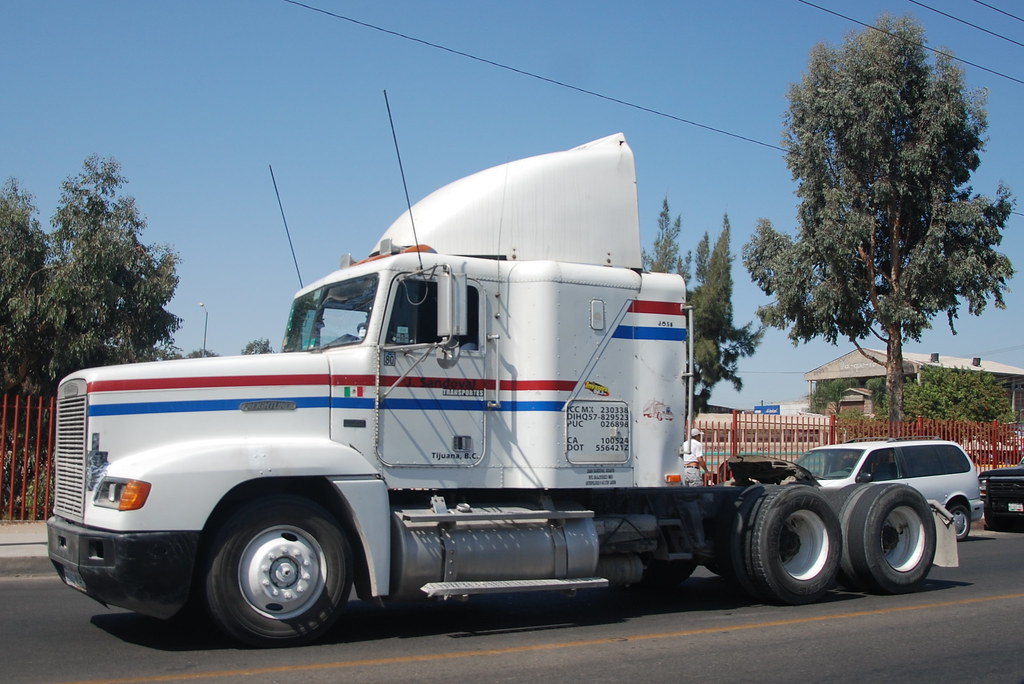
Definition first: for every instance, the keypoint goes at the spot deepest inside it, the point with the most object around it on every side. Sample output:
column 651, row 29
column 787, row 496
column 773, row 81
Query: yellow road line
column 719, row 629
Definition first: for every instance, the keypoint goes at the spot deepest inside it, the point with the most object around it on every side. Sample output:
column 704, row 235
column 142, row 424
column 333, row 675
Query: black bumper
column 147, row 572
column 1005, row 507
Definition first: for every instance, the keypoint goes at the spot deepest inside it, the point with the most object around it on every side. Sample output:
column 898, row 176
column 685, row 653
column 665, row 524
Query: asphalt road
column 967, row 625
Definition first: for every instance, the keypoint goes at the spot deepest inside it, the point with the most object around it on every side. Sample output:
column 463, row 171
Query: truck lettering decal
column 657, row 410
column 268, row 405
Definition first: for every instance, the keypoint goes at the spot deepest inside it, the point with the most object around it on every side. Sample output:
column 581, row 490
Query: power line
column 962, row 21
column 530, row 74
column 921, row 45
column 992, row 7
column 602, row 96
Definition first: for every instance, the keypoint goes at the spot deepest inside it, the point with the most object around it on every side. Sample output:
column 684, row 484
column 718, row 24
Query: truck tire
column 730, row 561
column 842, row 501
column 793, row 547
column 961, row 519
column 889, row 540
column 279, row 570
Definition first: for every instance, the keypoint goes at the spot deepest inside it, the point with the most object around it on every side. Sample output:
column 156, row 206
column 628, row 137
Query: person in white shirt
column 694, row 465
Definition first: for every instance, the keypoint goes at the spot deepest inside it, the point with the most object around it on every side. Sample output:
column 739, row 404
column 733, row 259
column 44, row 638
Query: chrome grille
column 72, row 413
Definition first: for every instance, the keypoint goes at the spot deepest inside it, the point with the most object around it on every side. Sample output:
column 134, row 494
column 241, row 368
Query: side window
column 471, row 340
column 414, row 315
column 922, row 460
column 881, row 465
column 953, row 459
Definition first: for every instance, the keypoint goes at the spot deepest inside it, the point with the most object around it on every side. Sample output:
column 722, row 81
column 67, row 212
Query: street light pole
column 206, row 324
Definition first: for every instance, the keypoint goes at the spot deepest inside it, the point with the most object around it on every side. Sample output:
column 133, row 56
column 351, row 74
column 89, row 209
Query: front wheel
column 961, row 519
column 279, row 571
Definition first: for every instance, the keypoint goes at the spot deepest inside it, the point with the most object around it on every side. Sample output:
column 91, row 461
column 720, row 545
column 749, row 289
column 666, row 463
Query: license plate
column 73, row 579
column 1015, row 507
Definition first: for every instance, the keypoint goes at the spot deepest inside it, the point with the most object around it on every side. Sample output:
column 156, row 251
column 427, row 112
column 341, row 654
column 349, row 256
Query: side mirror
column 452, row 307
column 864, row 478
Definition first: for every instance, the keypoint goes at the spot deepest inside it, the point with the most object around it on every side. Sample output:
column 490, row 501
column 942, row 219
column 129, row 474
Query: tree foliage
column 828, row 394
column 882, row 143
column 23, row 253
column 665, row 257
column 958, row 394
column 89, row 293
column 717, row 343
column 258, row 346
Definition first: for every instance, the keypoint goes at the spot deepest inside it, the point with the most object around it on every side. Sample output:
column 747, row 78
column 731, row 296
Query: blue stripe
column 148, row 407
column 156, row 407
column 470, row 405
column 637, row 332
column 352, row 402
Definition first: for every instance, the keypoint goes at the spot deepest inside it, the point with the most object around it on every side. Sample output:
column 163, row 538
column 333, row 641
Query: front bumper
column 147, row 572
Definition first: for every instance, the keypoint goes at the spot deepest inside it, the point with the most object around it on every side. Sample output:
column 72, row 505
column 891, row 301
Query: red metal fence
column 27, row 433
column 991, row 445
column 26, row 447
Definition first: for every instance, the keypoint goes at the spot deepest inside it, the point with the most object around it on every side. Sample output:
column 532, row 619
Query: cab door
column 431, row 406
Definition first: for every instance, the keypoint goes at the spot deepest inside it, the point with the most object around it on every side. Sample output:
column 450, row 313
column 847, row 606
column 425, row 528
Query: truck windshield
column 831, row 464
column 331, row 316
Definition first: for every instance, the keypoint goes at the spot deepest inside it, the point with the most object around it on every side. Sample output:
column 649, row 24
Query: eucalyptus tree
column 882, row 140
column 88, row 293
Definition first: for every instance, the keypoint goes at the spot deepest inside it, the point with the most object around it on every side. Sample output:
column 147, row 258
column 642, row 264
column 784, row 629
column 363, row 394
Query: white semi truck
column 500, row 411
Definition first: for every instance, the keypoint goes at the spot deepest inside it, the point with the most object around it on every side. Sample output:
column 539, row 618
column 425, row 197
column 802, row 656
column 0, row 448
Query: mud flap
column 946, row 555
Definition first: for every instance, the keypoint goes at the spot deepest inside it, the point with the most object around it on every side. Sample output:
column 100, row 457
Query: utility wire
column 992, row 7
column 967, row 23
column 530, row 74
column 922, row 45
column 608, row 98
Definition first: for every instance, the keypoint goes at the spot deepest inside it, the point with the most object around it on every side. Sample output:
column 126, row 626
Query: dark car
column 1003, row 493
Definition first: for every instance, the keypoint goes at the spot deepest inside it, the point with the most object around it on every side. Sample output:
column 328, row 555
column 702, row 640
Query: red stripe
column 527, row 385
column 660, row 308
column 205, row 383
column 459, row 383
column 341, row 380
column 144, row 384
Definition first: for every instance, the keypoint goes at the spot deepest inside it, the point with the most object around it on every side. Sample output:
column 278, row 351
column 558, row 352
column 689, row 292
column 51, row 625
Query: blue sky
column 196, row 100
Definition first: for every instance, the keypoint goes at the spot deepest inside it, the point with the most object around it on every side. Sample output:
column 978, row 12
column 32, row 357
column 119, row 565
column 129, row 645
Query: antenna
column 402, row 171
column 286, row 231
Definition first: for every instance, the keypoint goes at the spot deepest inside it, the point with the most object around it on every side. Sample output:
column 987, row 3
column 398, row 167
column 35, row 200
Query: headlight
column 124, row 495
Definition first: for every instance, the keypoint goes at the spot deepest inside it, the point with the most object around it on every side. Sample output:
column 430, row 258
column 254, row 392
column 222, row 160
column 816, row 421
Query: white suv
column 940, row 470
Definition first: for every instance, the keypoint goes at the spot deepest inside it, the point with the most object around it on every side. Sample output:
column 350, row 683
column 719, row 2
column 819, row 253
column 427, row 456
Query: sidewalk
column 23, row 549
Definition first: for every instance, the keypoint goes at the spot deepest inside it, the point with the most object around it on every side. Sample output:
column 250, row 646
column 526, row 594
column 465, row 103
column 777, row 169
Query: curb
column 23, row 549
column 27, row 566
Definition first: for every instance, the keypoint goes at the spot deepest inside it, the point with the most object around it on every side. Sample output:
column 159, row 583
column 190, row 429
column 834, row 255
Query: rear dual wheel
column 787, row 544
column 889, row 538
